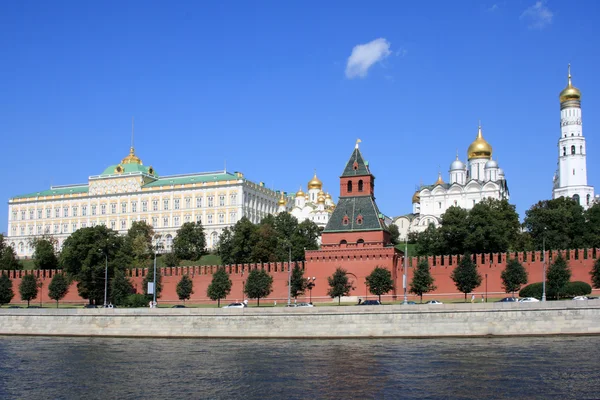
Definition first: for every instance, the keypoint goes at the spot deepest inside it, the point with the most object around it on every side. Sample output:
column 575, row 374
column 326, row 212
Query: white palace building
column 130, row 191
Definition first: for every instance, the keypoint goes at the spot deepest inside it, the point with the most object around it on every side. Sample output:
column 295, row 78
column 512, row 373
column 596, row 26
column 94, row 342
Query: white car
column 580, row 298
column 304, row 305
column 528, row 300
column 434, row 302
column 235, row 305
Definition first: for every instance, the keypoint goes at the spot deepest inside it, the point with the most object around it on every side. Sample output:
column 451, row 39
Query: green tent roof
column 353, row 207
column 195, row 178
column 56, row 191
column 356, row 165
column 128, row 168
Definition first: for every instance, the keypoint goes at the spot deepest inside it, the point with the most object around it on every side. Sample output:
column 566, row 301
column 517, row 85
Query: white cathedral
column 469, row 183
column 316, row 205
column 570, row 179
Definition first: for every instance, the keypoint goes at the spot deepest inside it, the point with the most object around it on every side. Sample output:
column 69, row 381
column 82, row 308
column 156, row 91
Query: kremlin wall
column 580, row 261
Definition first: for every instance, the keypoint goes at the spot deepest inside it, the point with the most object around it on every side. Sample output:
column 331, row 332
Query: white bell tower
column 570, row 179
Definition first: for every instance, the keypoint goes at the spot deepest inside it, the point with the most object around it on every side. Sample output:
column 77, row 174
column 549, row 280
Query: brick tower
column 355, row 237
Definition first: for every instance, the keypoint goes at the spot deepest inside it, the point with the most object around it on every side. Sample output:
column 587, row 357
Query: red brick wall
column 321, row 264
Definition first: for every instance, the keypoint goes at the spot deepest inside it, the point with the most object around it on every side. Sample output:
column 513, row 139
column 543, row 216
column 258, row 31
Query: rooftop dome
column 457, row 165
column 416, row 197
column 315, row 183
column 570, row 92
column 282, row 201
column 491, row 164
column 131, row 158
column 439, row 181
column 300, row 192
column 480, row 148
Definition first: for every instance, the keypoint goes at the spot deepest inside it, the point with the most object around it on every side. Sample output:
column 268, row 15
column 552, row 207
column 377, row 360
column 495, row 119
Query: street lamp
column 486, row 288
column 243, row 283
column 105, row 273
column 289, row 273
column 310, row 285
column 405, row 267
column 158, row 242
column 544, row 267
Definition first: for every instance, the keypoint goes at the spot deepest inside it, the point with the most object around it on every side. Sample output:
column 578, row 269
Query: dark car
column 90, row 306
column 508, row 300
column 15, row 307
column 370, row 303
column 178, row 306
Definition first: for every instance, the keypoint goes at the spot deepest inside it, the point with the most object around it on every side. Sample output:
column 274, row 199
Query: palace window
column 30, row 214
column 74, row 211
column 210, row 219
column 166, row 204
column 94, row 209
column 134, row 206
column 65, row 211
column 22, row 230
column 123, row 208
column 232, row 217
column 55, row 228
column 210, row 201
column 14, row 230
column 123, row 222
column 47, row 213
column 145, row 206
column 39, row 230
column 188, row 202
column 14, row 215
column 221, row 200
column 154, row 205
column 65, row 228
column 113, row 208
column 187, row 218
column 83, row 211
column 103, row 209
column 31, row 230
column 176, row 221
column 113, row 225
column 199, row 219
column 56, row 212
column 221, row 218
column 176, row 204
column 84, row 225
column 23, row 214
column 233, row 199
column 154, row 222
column 74, row 226
column 166, row 221
column 198, row 202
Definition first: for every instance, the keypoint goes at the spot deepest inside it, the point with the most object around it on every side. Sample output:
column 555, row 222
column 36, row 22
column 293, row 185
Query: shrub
column 571, row 289
column 532, row 290
column 577, row 288
column 137, row 300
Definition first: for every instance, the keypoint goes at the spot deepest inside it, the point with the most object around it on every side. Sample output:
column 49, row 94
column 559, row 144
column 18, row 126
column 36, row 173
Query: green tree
column 558, row 275
column 524, row 242
column 44, row 254
column 190, row 243
column 306, row 238
column 185, row 288
column 243, row 241
column 429, row 242
column 138, row 242
column 120, row 288
column 595, row 273
column 298, row 282
column 560, row 221
column 6, row 290
column 493, row 227
column 465, row 275
column 422, row 281
column 453, row 231
column 592, row 217
column 258, row 285
column 266, row 244
column 220, row 286
column 394, row 234
column 339, row 284
column 58, row 288
column 83, row 258
column 380, row 281
column 170, row 260
column 514, row 276
column 8, row 259
column 28, row 288
column 150, row 278
column 225, row 246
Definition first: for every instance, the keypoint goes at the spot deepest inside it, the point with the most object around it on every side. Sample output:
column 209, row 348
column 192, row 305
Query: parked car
column 409, row 302
column 370, row 303
column 508, row 300
column 15, row 307
column 580, row 298
column 90, row 306
column 304, row 305
column 235, row 305
column 178, row 306
column 434, row 302
column 528, row 300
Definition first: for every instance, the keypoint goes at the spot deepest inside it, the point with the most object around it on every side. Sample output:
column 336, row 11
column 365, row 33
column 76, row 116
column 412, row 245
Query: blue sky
column 267, row 86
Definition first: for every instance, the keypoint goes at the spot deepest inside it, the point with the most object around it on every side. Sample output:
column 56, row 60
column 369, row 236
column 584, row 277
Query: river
column 482, row 368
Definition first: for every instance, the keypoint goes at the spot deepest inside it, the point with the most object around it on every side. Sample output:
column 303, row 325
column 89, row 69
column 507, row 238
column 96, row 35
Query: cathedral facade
column 570, row 179
column 314, row 205
column 130, row 191
column 478, row 179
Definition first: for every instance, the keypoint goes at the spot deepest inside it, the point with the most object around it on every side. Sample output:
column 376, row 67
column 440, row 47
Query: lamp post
column 105, row 272
column 544, row 267
column 289, row 273
column 310, row 285
column 486, row 288
column 243, row 282
column 158, row 242
column 405, row 267
column 41, row 284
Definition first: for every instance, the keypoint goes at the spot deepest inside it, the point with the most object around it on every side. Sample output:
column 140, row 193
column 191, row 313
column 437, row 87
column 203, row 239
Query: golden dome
column 299, row 192
column 416, row 197
column 131, row 158
column 439, row 181
column 321, row 200
column 321, row 193
column 315, row 183
column 282, row 201
column 328, row 196
column 480, row 148
column 570, row 92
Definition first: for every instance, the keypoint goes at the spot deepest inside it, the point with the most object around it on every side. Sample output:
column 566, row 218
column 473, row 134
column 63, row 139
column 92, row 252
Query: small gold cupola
column 131, row 158
column 439, row 181
column 570, row 92
column 480, row 148
column 315, row 183
column 282, row 201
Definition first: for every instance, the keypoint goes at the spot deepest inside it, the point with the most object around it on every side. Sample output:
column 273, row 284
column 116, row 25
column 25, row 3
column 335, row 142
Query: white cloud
column 364, row 56
column 493, row 8
column 538, row 16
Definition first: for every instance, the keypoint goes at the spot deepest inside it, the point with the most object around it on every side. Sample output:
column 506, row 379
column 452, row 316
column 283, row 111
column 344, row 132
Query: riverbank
column 401, row 321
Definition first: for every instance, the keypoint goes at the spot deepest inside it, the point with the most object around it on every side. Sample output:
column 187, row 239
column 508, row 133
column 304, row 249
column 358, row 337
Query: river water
column 483, row 368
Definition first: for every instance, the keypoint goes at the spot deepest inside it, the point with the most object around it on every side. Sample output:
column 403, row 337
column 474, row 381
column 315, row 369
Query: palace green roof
column 55, row 191
column 352, row 207
column 197, row 178
column 128, row 168
column 356, row 165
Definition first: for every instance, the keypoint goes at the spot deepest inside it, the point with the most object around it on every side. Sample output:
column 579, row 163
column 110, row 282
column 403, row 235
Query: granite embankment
column 448, row 320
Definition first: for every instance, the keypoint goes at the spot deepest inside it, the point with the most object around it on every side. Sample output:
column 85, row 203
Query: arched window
column 564, row 151
column 360, row 185
column 576, row 198
column 349, row 186
column 580, row 149
column 572, row 149
column 360, row 242
column 359, row 219
column 343, row 243
column 588, row 199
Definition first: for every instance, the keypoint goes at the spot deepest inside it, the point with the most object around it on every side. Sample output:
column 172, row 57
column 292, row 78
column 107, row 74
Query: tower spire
column 132, row 130
column 569, row 69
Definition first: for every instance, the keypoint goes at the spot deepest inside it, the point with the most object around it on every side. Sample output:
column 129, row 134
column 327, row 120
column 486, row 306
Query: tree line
column 492, row 226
